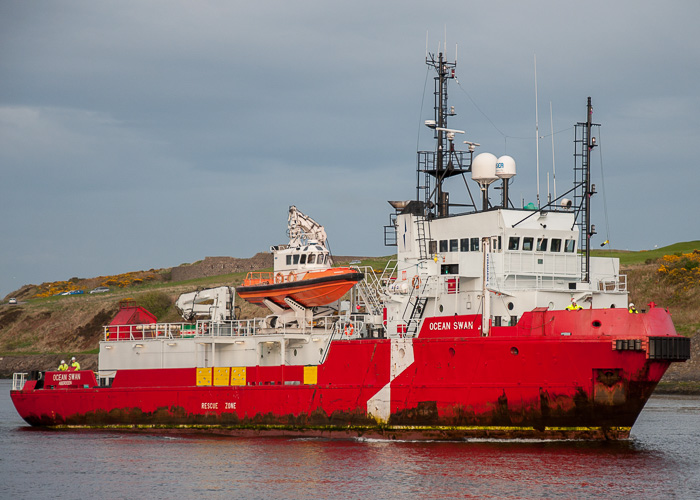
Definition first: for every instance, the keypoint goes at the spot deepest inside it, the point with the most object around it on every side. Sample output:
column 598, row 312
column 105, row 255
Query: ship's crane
column 303, row 230
column 215, row 304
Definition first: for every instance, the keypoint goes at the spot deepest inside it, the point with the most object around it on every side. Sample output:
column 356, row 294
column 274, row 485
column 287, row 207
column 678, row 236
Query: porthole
column 514, row 351
column 441, row 307
column 612, row 306
column 596, row 324
column 295, row 352
column 510, row 306
column 452, row 351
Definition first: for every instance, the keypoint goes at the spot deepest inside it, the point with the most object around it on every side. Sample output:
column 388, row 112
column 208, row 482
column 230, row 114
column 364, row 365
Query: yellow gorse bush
column 682, row 269
column 119, row 280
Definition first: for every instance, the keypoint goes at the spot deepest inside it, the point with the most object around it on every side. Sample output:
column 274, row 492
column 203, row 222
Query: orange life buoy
column 292, row 276
column 279, row 278
column 349, row 329
column 415, row 282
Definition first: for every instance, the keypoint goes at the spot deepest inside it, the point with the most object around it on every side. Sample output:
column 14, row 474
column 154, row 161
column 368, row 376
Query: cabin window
column 475, row 244
column 464, row 245
column 312, row 258
column 556, row 245
column 296, row 259
column 513, row 243
column 443, row 246
column 449, row 269
column 289, row 260
column 453, row 246
column 432, row 246
column 541, row 244
column 570, row 246
column 527, row 244
column 319, row 248
column 303, row 259
column 499, row 243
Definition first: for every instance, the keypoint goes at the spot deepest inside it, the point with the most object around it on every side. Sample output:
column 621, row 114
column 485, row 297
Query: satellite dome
column 505, row 167
column 484, row 168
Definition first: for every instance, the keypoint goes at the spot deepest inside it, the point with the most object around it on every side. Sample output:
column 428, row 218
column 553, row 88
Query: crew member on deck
column 63, row 367
column 632, row 309
column 573, row 306
column 74, row 365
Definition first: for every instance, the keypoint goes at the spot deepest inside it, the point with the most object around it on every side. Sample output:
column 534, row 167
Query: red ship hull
column 557, row 374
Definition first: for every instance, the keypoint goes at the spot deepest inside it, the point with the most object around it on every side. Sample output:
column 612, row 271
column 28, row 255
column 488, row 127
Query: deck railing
column 207, row 328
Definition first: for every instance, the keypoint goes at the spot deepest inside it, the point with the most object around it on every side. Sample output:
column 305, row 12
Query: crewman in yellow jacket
column 63, row 367
column 573, row 306
column 75, row 366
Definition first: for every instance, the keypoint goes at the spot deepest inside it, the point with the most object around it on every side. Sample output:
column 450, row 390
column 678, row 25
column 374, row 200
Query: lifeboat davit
column 302, row 272
column 314, row 288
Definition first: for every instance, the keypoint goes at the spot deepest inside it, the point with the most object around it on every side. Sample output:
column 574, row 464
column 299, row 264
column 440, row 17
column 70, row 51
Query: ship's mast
column 584, row 189
column 445, row 161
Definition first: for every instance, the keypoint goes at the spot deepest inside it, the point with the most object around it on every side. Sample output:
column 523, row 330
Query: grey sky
column 142, row 134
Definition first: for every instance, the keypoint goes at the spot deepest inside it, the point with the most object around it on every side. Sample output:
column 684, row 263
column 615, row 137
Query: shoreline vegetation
column 45, row 326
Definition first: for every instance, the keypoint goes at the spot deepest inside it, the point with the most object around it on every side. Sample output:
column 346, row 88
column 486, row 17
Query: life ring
column 279, row 278
column 415, row 282
column 349, row 329
column 292, row 276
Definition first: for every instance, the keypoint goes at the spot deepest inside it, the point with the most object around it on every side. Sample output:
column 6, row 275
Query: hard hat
column 573, row 299
column 73, row 358
column 631, row 304
column 63, row 361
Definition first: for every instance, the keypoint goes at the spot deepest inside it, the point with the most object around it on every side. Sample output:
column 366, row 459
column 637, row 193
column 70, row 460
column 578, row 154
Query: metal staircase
column 416, row 302
column 370, row 290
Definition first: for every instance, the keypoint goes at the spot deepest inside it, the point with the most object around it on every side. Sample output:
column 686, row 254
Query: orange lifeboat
column 310, row 289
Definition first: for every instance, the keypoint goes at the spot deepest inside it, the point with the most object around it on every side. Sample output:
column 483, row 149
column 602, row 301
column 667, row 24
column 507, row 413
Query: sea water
column 661, row 460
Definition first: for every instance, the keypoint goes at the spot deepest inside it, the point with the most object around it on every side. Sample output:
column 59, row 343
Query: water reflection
column 659, row 461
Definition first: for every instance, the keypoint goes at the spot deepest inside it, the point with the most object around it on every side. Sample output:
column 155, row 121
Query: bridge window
column 296, row 259
column 541, row 244
column 464, row 245
column 311, row 259
column 475, row 244
column 289, row 260
column 570, row 246
column 449, row 269
column 443, row 246
column 527, row 244
column 513, row 243
column 453, row 246
column 303, row 259
column 556, row 245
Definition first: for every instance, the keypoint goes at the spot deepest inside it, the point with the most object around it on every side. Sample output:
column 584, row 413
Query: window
column 513, row 243
column 541, row 244
column 570, row 246
column 527, row 244
column 311, row 259
column 453, row 246
column 289, row 260
column 449, row 269
column 556, row 245
column 303, row 259
column 432, row 246
column 296, row 259
column 443, row 246
column 464, row 245
column 474, row 244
